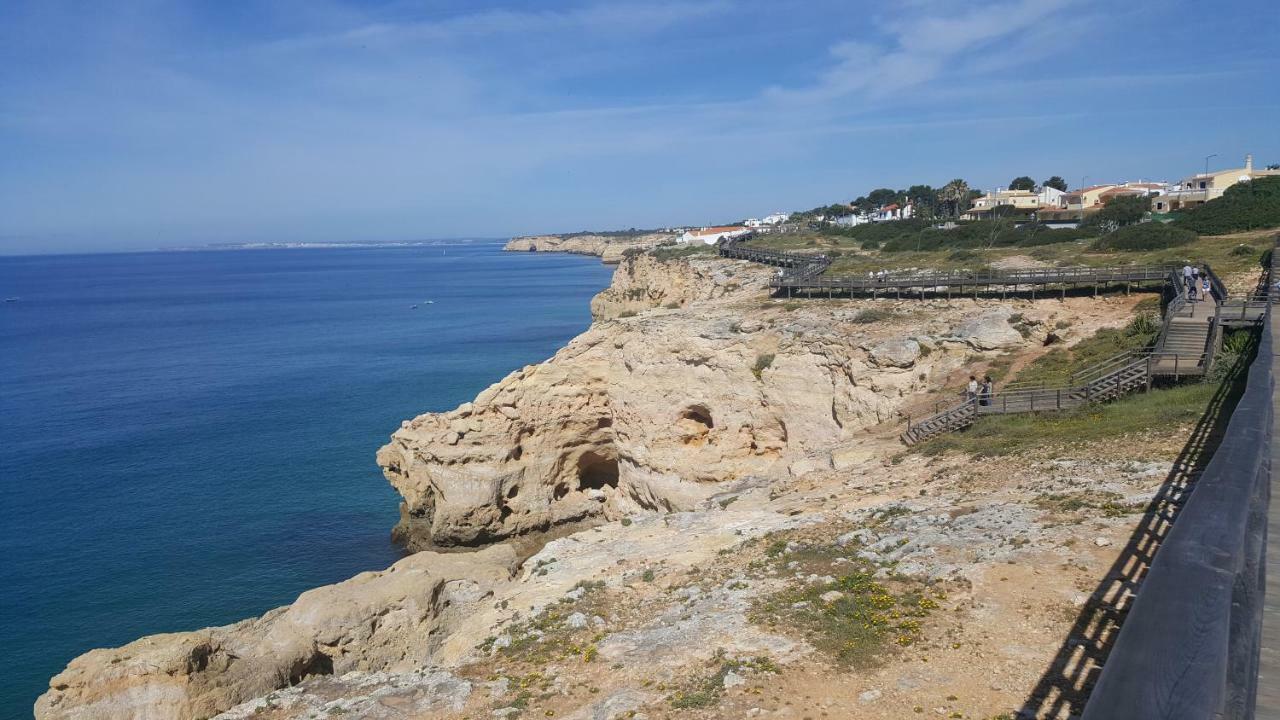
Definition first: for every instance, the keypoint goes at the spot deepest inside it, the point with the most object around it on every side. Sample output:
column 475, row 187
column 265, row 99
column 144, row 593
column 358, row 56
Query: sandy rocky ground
column 964, row 577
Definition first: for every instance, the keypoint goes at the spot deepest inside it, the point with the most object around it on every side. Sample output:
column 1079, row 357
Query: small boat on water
column 11, row 299
column 413, row 307
column 430, row 302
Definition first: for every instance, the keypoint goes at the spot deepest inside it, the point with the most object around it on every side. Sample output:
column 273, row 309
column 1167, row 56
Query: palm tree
column 955, row 197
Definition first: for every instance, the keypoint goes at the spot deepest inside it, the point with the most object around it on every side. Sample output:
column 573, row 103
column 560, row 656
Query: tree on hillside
column 1022, row 183
column 953, row 198
column 1274, row 166
column 925, row 200
column 882, row 196
column 1119, row 212
column 1056, row 182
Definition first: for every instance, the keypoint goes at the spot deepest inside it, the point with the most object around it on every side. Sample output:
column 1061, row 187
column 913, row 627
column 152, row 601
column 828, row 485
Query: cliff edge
column 609, row 248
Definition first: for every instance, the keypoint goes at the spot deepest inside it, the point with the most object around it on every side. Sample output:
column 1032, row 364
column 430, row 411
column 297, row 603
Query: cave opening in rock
column 698, row 414
column 597, row 471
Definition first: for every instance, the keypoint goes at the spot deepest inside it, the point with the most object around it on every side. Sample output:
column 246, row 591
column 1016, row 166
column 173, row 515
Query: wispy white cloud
column 921, row 44
column 613, row 19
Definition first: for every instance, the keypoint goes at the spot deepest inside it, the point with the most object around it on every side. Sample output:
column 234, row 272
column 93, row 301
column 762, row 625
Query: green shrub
column 872, row 315
column 870, row 244
column 1035, row 234
column 1244, row 251
column 1146, row 236
column 762, row 361
column 1120, row 212
column 1244, row 206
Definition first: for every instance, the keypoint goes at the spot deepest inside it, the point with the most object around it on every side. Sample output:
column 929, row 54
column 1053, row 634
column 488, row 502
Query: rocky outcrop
column 651, row 412
column 609, row 248
column 381, row 645
column 376, row 621
column 990, row 330
column 648, row 281
column 897, row 352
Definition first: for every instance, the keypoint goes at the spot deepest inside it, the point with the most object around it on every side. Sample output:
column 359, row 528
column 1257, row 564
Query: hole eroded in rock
column 597, row 471
column 695, row 424
column 698, row 415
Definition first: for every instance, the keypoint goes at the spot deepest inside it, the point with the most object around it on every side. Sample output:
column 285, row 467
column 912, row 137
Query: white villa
column 893, row 211
column 1045, row 197
column 712, row 235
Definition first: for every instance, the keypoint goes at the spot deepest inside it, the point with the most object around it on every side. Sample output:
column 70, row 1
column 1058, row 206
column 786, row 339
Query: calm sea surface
column 187, row 438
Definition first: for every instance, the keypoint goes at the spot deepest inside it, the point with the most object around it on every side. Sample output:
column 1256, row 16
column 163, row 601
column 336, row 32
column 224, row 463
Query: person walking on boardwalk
column 987, row 390
column 1205, row 288
column 1186, row 277
column 971, row 391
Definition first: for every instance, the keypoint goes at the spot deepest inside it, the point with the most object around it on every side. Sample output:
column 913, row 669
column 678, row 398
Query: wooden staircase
column 1108, row 380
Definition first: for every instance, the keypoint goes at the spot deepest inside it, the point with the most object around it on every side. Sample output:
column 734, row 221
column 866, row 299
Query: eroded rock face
column 376, row 621
column 609, row 249
column 649, row 413
column 645, row 282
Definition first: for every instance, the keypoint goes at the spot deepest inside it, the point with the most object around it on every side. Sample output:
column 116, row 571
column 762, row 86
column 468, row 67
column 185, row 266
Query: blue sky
column 138, row 124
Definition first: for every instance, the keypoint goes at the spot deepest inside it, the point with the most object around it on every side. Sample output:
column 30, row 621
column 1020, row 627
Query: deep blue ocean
column 187, row 438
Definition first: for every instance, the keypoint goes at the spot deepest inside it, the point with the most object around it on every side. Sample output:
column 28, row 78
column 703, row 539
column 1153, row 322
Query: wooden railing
column 1191, row 643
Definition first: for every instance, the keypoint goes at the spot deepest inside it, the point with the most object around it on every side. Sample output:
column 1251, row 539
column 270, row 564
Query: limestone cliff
column 375, row 621
column 650, row 410
column 609, row 249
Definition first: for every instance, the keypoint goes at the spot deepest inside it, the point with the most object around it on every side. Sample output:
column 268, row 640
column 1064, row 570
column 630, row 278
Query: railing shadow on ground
column 1064, row 688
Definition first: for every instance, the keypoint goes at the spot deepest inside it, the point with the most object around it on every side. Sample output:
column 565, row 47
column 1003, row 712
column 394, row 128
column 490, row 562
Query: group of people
column 1197, row 282
column 980, row 391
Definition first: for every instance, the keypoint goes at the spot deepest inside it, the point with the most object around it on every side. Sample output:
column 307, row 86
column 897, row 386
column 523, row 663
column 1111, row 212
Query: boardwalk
column 1269, row 661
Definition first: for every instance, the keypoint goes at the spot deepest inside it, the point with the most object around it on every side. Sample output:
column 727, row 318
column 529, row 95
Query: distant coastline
column 374, row 244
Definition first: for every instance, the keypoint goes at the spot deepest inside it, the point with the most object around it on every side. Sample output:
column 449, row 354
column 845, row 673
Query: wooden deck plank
column 1268, row 699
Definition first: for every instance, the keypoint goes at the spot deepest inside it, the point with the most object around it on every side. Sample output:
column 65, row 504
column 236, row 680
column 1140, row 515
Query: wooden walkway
column 1268, row 699
column 1189, row 336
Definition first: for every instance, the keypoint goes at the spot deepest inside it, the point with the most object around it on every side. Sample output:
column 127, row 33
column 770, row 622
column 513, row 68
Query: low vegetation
column 551, row 636
column 763, row 361
column 1057, row 366
column 706, row 690
column 1244, row 206
column 873, row 315
column 852, row 614
column 684, row 250
column 1146, row 236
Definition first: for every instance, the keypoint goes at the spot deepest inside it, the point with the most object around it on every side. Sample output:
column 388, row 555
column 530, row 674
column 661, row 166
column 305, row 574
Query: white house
column 893, row 211
column 1049, row 196
column 712, row 235
column 775, row 219
column 852, row 219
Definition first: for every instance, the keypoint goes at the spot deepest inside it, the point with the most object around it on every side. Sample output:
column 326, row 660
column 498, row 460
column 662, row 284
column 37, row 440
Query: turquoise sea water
column 188, row 438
